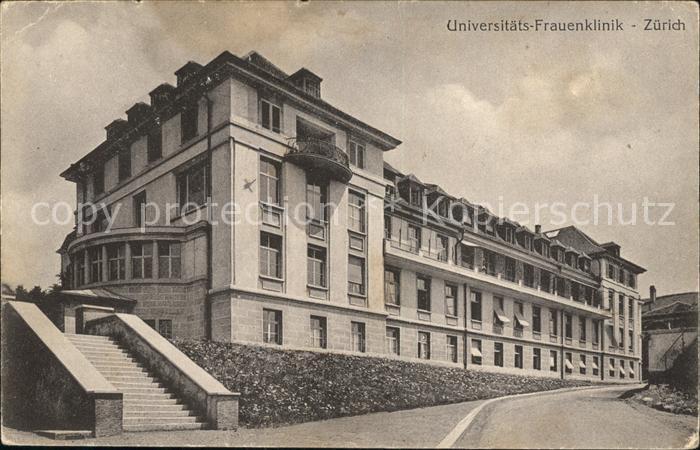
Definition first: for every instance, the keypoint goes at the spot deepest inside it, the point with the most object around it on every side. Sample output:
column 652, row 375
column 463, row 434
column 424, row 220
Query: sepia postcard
column 386, row 224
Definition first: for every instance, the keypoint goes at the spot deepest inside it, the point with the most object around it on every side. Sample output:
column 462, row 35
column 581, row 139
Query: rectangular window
column 98, row 180
column 528, row 275
column 442, row 247
column 272, row 326
column 393, row 343
column 356, row 153
column 553, row 323
column 316, row 199
column 595, row 365
column 568, row 365
column 476, row 354
column 356, row 275
column 188, row 123
column 165, row 328
column 510, row 269
column 154, row 145
column 621, row 304
column 498, row 354
column 95, row 264
column 270, row 255
column 392, row 286
column 423, row 288
column 270, row 116
column 622, row 368
column 582, row 365
column 80, row 269
column 537, row 359
column 423, row 345
column 318, row 332
column 553, row 361
column 141, row 260
column 546, row 281
column 518, row 358
column 356, row 211
column 358, row 336
column 475, row 306
column 151, row 323
column 596, row 332
column 568, row 328
column 611, row 270
column 452, row 348
column 611, row 368
column 414, row 238
column 450, row 300
column 536, row 319
column 168, row 259
column 124, row 164
column 269, row 181
column 316, row 266
column 621, row 335
column 467, row 256
column 561, row 286
column 630, row 341
column 489, row 263
column 192, row 190
column 582, row 329
column 139, row 201
column 116, row 262
column 415, row 195
column 519, row 322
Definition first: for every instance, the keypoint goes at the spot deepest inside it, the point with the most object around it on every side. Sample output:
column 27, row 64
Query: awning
column 97, row 294
column 622, row 371
column 501, row 315
column 568, row 364
column 632, row 372
column 595, row 365
column 470, row 244
column 582, row 364
column 521, row 320
column 552, row 361
column 611, row 367
column 476, row 352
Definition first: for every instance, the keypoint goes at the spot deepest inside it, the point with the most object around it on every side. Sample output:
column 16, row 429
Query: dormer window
column 415, row 195
column 270, row 116
column 307, row 81
column 356, row 154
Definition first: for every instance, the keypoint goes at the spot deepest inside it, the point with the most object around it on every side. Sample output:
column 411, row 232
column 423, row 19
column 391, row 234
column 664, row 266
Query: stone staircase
column 148, row 404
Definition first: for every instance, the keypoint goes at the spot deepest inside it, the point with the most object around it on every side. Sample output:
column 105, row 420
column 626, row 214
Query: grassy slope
column 283, row 387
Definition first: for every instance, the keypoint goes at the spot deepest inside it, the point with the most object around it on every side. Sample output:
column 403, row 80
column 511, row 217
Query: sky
column 517, row 119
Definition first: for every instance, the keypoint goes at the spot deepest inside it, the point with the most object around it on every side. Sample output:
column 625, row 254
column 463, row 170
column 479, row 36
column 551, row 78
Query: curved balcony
column 320, row 157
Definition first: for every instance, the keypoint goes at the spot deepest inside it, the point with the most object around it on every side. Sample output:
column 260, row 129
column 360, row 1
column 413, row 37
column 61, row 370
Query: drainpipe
column 561, row 336
column 207, row 300
column 467, row 350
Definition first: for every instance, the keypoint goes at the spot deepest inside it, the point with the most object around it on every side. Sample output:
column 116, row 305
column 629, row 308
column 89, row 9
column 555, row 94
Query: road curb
column 463, row 424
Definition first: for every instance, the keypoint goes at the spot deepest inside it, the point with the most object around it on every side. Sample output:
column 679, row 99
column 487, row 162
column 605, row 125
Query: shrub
column 288, row 386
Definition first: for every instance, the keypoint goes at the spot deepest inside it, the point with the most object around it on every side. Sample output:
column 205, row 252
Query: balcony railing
column 315, row 154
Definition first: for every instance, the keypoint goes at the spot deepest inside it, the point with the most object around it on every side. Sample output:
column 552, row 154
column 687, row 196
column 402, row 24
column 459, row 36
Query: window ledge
column 267, row 277
column 180, row 215
column 308, row 285
column 355, row 294
column 271, row 206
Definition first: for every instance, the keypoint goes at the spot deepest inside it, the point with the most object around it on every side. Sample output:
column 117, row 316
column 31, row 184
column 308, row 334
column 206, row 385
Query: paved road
column 580, row 419
column 584, row 419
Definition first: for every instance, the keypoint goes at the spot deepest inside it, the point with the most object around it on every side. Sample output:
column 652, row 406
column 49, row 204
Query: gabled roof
column 573, row 237
column 665, row 301
column 411, row 177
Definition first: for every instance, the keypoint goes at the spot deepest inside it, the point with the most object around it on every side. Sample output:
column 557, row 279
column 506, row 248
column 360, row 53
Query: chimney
column 116, row 128
column 186, row 72
column 137, row 113
column 652, row 294
column 538, row 229
column 161, row 95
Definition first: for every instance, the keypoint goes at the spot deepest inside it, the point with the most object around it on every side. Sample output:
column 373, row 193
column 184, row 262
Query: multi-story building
column 239, row 206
